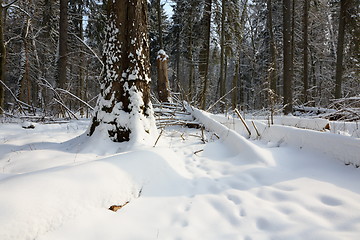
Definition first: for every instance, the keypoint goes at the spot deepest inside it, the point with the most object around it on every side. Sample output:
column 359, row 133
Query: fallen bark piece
column 28, row 125
column 114, row 208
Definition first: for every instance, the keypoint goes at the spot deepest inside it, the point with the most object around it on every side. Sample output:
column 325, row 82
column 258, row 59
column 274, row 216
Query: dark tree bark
column 124, row 104
column 24, row 83
column 222, row 51
column 288, row 58
column 158, row 9
column 340, row 47
column 237, row 94
column 2, row 59
column 234, row 84
column 272, row 67
column 82, row 65
column 205, row 52
column 305, row 51
column 63, row 37
column 191, row 64
column 163, row 80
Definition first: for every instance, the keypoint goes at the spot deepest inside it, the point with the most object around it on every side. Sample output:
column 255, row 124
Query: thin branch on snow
column 162, row 130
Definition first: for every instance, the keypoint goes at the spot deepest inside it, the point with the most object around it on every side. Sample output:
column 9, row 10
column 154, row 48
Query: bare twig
column 257, row 132
column 182, row 136
column 202, row 135
column 220, row 99
column 196, row 152
column 158, row 137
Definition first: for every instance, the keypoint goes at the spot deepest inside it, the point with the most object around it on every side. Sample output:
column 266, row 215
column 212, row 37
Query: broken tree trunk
column 163, row 80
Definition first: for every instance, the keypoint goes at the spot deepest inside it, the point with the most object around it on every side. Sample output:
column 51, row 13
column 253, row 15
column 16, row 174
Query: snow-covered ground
column 56, row 183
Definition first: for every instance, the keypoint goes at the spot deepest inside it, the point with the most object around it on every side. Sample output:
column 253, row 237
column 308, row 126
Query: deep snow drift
column 58, row 184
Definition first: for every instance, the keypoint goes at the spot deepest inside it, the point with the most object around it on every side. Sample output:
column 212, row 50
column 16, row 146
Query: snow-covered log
column 232, row 138
column 343, row 148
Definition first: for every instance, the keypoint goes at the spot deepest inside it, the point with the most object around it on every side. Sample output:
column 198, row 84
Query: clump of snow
column 161, row 55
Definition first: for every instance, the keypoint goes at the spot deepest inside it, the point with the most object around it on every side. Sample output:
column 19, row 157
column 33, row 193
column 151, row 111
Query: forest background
column 229, row 50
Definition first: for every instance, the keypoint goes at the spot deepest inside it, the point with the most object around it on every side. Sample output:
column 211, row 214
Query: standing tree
column 222, row 79
column 124, row 110
column 344, row 4
column 288, row 57
column 305, row 51
column 162, row 59
column 272, row 66
column 205, row 51
column 63, row 37
column 2, row 58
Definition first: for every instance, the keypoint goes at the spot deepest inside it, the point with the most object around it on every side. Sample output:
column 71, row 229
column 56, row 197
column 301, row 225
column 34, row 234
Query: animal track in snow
column 243, row 212
column 330, row 201
column 233, row 198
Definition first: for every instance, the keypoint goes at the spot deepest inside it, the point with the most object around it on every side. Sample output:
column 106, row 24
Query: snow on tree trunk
column 124, row 110
column 163, row 80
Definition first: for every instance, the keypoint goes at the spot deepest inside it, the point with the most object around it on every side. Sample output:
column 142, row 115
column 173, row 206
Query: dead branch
column 57, row 98
column 220, row 99
column 243, row 121
column 13, row 95
column 158, row 137
column 76, row 97
column 196, row 152
column 66, row 108
column 257, row 132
